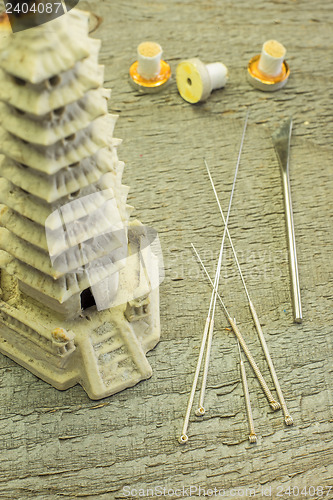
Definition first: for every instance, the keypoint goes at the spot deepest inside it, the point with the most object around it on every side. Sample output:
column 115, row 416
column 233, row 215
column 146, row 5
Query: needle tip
column 207, row 168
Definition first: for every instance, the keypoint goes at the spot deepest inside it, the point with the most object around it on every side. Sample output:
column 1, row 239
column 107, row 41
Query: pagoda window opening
column 87, row 299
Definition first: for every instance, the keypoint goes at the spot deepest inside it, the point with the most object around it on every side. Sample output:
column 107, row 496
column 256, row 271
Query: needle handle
column 183, row 438
column 201, row 409
column 287, row 416
column 273, row 403
column 252, row 436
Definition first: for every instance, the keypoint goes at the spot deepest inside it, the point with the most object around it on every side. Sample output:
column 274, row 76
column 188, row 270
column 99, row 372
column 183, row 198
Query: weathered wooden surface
column 61, row 444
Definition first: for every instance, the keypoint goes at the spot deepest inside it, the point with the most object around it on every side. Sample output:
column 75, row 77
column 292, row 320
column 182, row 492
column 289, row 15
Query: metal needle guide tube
column 281, row 139
column 209, row 325
column 273, row 403
column 287, row 416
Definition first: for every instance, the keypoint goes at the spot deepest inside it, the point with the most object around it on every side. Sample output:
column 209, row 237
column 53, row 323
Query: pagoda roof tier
column 64, row 288
column 39, row 211
column 96, row 252
column 91, row 199
column 40, row 53
column 52, row 94
column 52, row 188
column 24, row 228
column 91, row 226
column 50, row 128
column 50, row 159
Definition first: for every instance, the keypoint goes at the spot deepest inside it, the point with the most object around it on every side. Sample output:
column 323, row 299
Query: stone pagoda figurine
column 79, row 282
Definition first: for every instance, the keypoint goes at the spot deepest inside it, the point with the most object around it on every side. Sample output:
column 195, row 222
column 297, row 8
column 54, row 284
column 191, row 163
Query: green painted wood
column 62, row 445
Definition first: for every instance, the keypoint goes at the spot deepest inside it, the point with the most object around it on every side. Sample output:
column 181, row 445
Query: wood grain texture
column 61, row 444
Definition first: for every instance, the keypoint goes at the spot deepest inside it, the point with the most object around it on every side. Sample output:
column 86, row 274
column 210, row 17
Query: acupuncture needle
column 201, row 408
column 184, row 437
column 287, row 417
column 273, row 403
column 252, row 435
column 209, row 325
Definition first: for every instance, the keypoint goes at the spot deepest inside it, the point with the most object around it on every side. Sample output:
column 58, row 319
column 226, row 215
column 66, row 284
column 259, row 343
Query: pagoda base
column 103, row 351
